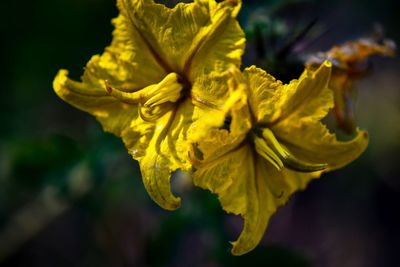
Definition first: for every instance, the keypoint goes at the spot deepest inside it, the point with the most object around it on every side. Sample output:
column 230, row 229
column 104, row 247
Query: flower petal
column 249, row 186
column 189, row 39
column 219, row 45
column 304, row 103
column 211, row 91
column 161, row 148
column 306, row 98
column 314, row 143
column 113, row 115
column 128, row 63
column 218, row 130
column 266, row 190
column 262, row 89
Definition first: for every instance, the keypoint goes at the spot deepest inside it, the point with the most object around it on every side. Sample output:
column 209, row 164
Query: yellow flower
column 140, row 88
column 265, row 143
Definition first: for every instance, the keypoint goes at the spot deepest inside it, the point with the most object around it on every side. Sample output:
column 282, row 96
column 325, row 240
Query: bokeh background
column 70, row 195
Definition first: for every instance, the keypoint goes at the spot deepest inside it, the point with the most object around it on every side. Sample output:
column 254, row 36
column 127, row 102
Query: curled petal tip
column 60, row 78
column 172, row 205
column 239, row 249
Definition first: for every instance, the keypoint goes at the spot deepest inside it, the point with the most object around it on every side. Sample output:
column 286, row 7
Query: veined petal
column 249, row 186
column 220, row 45
column 161, row 148
column 306, row 98
column 128, row 63
column 113, row 115
column 295, row 120
column 149, row 41
column 313, row 143
column 267, row 189
column 211, row 91
column 190, row 39
column 227, row 177
column 216, row 131
column 262, row 87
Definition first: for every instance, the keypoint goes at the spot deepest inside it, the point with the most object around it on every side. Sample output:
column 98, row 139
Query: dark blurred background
column 70, row 195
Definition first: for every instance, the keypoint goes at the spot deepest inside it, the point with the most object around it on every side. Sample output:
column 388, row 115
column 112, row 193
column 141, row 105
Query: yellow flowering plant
column 140, row 88
column 170, row 87
column 266, row 142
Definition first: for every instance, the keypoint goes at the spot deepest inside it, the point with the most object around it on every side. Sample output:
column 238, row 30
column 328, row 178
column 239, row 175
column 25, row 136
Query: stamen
column 295, row 164
column 289, row 160
column 266, row 152
column 130, row 98
column 168, row 90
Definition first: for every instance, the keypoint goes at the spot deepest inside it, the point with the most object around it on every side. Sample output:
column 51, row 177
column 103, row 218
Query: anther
column 289, row 160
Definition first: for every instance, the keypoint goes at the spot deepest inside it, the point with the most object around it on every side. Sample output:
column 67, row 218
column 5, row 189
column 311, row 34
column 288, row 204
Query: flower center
column 168, row 90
